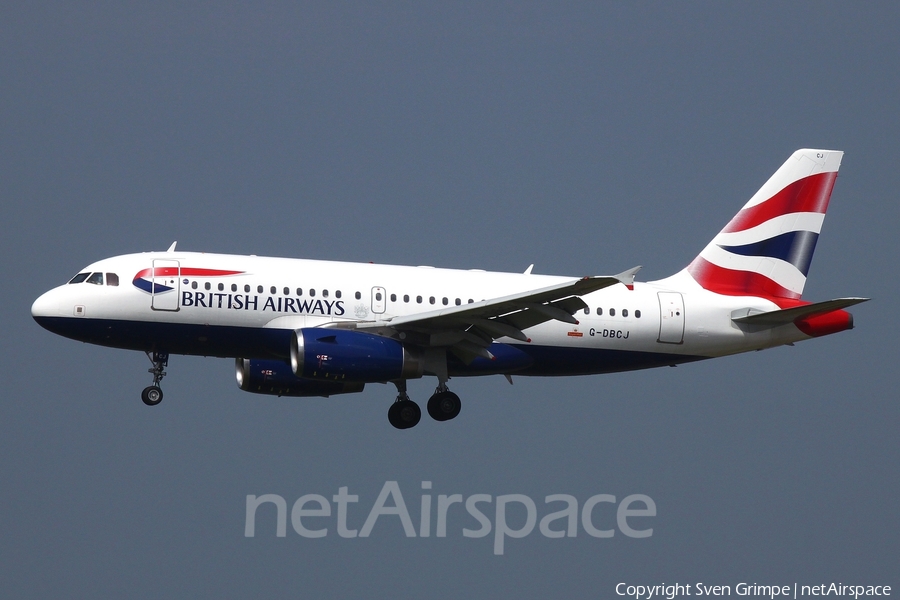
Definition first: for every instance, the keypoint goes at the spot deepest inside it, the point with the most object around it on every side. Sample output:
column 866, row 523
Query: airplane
column 319, row 328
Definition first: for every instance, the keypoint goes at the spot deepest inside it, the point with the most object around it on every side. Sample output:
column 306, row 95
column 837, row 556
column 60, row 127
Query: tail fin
column 767, row 247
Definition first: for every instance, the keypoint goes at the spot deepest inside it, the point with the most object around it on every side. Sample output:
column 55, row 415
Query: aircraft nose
column 46, row 305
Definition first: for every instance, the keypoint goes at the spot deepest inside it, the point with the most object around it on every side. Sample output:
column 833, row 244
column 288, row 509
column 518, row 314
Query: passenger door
column 166, row 288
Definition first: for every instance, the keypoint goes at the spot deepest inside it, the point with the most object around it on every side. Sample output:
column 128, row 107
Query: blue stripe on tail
column 795, row 247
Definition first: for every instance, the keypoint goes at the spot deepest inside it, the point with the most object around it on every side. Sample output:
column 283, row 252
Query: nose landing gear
column 152, row 394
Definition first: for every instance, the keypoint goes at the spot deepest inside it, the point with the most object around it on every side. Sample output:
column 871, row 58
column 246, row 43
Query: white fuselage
column 671, row 320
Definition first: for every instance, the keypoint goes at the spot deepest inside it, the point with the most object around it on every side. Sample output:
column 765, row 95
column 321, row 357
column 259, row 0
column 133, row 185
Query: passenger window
column 246, row 289
column 431, row 299
column 599, row 312
column 445, row 301
column 272, row 290
column 287, row 291
column 458, row 301
column 624, row 312
column 393, row 297
column 471, row 301
column 406, row 297
column 337, row 294
column 587, row 311
column 612, row 312
column 112, row 279
column 96, row 278
column 637, row 314
column 233, row 287
column 312, row 292
column 259, row 289
column 419, row 299
column 79, row 278
column 299, row 291
column 221, row 287
column 358, row 295
column 206, row 285
column 194, row 285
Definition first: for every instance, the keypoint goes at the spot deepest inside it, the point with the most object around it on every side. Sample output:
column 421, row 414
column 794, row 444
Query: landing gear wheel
column 443, row 406
column 152, row 395
column 404, row 414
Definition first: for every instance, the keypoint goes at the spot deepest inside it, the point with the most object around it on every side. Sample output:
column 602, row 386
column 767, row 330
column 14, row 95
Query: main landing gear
column 442, row 406
column 152, row 394
column 403, row 413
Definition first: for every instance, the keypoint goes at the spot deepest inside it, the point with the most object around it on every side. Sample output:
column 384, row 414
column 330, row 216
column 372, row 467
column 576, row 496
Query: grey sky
column 584, row 138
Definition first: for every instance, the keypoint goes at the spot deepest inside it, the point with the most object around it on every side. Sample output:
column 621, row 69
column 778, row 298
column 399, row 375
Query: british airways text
column 247, row 302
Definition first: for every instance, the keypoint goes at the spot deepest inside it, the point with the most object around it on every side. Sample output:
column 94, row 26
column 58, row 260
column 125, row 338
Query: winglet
column 528, row 270
column 627, row 277
column 172, row 247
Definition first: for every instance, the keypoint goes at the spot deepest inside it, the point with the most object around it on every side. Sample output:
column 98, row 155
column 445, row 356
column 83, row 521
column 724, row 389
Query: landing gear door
column 166, row 288
column 671, row 318
column 379, row 300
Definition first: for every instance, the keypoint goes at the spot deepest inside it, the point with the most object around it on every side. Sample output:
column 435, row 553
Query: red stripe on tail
column 810, row 194
column 736, row 283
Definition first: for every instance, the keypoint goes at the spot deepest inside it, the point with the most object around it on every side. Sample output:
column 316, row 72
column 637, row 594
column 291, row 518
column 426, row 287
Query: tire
column 444, row 406
column 394, row 416
column 152, row 395
column 404, row 414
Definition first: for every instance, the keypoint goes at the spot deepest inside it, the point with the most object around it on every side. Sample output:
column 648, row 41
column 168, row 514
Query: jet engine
column 276, row 378
column 343, row 355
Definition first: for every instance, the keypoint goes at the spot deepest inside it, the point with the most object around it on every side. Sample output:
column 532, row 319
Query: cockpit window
column 112, row 279
column 96, row 278
column 79, row 278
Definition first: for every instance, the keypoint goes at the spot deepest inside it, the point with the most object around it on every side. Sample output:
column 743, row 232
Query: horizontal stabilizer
column 790, row 315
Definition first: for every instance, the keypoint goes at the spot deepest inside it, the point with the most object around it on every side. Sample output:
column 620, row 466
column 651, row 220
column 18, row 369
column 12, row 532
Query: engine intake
column 342, row 355
column 275, row 378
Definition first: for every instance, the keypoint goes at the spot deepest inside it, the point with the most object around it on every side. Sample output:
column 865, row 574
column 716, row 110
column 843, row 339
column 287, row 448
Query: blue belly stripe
column 260, row 343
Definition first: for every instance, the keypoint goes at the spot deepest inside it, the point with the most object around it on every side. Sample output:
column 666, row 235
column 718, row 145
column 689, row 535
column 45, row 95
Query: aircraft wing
column 470, row 328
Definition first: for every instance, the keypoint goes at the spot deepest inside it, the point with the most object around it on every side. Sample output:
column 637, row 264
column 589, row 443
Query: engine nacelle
column 343, row 355
column 275, row 378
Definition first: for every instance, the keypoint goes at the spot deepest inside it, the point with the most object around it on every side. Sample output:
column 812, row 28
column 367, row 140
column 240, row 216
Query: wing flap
column 524, row 319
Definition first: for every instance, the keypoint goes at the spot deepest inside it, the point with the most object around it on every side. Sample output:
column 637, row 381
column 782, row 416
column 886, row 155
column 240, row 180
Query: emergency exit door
column 379, row 300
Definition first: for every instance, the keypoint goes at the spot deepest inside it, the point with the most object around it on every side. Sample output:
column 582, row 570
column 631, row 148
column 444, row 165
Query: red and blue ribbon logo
column 148, row 279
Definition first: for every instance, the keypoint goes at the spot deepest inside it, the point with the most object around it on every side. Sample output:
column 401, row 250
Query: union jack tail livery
column 767, row 247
